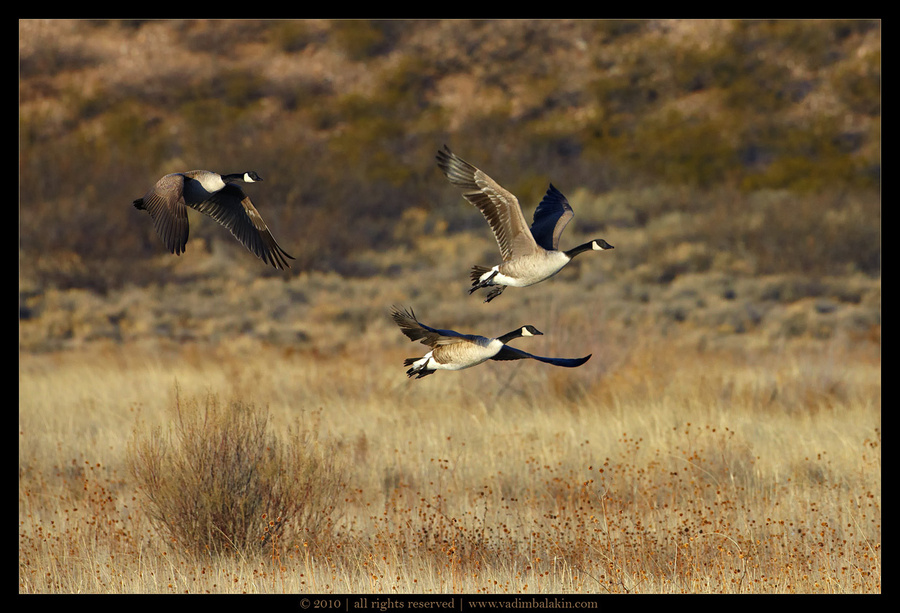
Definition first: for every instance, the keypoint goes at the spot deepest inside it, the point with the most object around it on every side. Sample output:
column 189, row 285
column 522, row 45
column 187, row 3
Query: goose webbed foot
column 496, row 291
column 486, row 284
column 418, row 373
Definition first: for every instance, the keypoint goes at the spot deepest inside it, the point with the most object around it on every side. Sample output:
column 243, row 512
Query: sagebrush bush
column 218, row 481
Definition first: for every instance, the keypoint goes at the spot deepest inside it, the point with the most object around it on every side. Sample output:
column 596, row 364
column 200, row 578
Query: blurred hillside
column 734, row 165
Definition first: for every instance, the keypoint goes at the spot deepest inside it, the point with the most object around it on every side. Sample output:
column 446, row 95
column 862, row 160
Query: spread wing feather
column 165, row 203
column 511, row 353
column 417, row 331
column 234, row 210
column 500, row 208
column 550, row 219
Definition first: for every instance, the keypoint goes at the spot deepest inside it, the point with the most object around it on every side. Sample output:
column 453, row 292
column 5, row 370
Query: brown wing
column 234, row 210
column 500, row 208
column 417, row 331
column 165, row 203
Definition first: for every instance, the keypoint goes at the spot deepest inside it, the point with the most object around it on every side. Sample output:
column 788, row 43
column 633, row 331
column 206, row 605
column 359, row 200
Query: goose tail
column 477, row 273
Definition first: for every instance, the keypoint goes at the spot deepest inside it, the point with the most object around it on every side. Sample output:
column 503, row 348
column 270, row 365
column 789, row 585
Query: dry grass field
column 205, row 424
column 679, row 473
column 660, row 466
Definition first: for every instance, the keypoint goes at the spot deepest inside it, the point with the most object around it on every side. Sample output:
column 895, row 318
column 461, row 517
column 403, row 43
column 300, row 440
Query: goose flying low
column 452, row 350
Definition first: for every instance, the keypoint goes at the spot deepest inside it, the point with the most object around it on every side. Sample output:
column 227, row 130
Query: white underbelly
column 525, row 271
column 461, row 355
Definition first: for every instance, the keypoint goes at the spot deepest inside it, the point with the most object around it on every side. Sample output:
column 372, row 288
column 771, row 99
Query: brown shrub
column 221, row 482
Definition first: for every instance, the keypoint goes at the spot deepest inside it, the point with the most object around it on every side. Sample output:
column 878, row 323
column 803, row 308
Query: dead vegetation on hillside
column 736, row 148
column 345, row 117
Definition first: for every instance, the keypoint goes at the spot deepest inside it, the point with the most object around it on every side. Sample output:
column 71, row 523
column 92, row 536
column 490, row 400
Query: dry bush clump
column 222, row 482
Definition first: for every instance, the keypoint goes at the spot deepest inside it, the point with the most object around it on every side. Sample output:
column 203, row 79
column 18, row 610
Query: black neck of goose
column 238, row 176
column 580, row 249
column 510, row 336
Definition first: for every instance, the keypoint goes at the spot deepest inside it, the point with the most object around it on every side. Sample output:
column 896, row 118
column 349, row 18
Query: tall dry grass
column 675, row 471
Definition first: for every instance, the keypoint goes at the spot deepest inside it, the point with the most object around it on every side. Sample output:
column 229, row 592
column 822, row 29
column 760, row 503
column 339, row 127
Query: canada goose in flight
column 454, row 351
column 529, row 255
column 217, row 196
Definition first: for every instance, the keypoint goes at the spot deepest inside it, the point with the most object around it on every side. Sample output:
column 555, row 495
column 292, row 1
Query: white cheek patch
column 596, row 246
column 525, row 332
column 248, row 178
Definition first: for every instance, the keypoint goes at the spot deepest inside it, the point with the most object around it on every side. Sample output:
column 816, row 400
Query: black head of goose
column 530, row 255
column 451, row 350
column 214, row 195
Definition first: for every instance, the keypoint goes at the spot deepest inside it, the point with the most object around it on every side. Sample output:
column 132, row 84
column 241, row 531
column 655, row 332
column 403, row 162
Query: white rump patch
column 422, row 362
column 487, row 275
